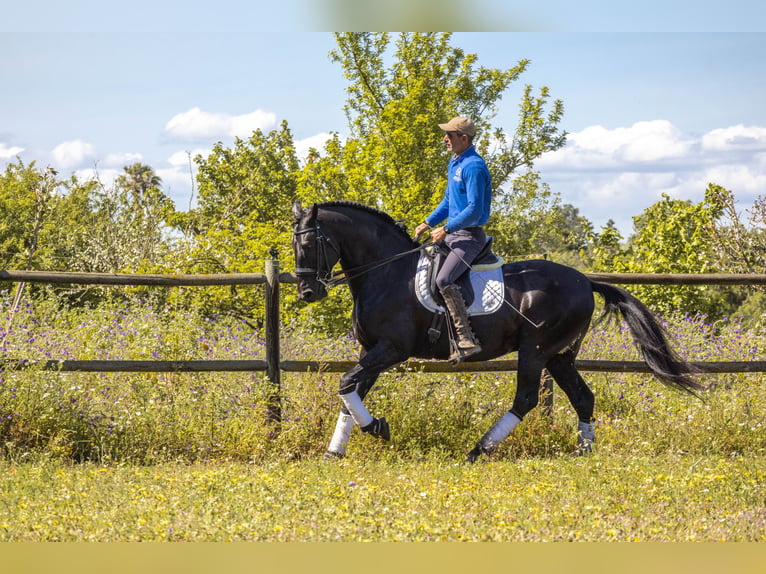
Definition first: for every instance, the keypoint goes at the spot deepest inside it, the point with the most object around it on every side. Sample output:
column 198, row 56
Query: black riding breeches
column 464, row 245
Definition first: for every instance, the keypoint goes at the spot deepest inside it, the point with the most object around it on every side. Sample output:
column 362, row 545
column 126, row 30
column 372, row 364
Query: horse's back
column 549, row 281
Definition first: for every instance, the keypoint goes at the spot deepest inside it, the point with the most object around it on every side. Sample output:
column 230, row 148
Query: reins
column 342, row 276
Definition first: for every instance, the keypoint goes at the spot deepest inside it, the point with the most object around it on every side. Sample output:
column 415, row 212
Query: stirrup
column 458, row 354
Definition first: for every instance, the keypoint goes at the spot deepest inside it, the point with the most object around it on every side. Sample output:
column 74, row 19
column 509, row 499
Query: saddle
column 485, row 260
column 485, row 278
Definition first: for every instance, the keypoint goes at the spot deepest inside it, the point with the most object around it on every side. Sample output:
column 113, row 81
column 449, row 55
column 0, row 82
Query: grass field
column 596, row 498
column 122, row 457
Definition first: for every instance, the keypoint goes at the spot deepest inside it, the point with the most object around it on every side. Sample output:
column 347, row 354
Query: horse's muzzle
column 311, row 291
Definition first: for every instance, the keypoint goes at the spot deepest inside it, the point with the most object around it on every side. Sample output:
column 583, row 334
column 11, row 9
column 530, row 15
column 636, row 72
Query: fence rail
column 296, row 366
column 67, row 277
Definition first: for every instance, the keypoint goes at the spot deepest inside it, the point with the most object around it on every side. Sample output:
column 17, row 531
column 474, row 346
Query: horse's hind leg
column 527, row 395
column 563, row 370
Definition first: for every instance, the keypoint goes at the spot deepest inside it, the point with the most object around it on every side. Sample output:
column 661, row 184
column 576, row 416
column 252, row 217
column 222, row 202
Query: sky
column 652, row 107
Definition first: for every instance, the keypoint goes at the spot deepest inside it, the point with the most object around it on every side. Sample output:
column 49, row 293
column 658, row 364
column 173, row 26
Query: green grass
column 596, row 498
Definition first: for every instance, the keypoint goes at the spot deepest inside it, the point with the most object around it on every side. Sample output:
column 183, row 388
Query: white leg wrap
column 586, row 434
column 340, row 437
column 499, row 431
column 353, row 403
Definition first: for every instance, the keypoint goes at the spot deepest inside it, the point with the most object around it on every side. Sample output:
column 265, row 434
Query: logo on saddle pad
column 488, row 288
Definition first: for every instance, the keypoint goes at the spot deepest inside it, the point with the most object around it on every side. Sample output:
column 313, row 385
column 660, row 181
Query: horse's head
column 315, row 254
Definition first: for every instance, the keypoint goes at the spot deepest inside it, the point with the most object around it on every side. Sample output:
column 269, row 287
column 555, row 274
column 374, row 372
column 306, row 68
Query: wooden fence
column 274, row 364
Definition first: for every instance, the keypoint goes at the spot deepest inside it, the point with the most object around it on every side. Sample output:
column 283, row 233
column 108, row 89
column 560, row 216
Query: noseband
column 323, row 269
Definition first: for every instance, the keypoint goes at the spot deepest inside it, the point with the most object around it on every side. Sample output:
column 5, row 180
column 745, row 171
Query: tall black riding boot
column 467, row 344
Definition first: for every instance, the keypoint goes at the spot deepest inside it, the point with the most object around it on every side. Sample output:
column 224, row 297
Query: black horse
column 547, row 312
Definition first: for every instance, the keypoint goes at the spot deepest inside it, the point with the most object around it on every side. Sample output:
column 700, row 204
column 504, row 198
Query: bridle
column 322, row 271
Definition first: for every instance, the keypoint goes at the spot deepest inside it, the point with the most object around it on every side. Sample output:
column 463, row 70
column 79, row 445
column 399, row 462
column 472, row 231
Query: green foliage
column 529, row 220
column 672, row 236
column 394, row 158
column 23, row 195
column 255, row 180
column 42, row 219
column 605, row 247
column 130, row 224
column 738, row 243
column 675, row 236
column 245, row 194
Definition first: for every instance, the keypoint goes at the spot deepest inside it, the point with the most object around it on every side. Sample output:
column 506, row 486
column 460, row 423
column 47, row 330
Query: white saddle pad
column 487, row 286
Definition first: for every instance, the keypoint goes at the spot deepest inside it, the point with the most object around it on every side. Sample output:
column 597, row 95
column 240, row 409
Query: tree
column 139, row 179
column 393, row 158
column 605, row 247
column 51, row 224
column 672, row 236
column 526, row 220
column 244, row 209
column 738, row 244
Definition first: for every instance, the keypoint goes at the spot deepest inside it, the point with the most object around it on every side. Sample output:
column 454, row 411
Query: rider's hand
column 420, row 230
column 438, row 234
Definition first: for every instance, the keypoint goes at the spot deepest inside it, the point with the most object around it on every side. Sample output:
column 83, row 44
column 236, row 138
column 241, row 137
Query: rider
column 465, row 206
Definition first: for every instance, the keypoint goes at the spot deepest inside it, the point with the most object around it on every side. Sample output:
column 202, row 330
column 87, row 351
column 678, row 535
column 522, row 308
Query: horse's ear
column 297, row 210
column 314, row 210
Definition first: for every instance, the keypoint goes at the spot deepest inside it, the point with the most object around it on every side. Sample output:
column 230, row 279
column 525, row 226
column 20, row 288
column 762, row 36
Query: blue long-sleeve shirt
column 467, row 200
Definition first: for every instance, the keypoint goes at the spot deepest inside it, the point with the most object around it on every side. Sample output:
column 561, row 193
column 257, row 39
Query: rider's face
column 456, row 142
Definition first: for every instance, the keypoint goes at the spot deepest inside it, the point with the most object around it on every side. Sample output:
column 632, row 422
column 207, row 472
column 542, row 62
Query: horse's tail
column 649, row 337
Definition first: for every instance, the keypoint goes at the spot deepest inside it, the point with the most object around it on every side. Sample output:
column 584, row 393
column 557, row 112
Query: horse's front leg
column 354, row 386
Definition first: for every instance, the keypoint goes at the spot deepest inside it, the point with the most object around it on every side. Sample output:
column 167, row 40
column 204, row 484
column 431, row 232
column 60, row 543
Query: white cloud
column 598, row 147
column 739, row 178
column 177, row 184
column 617, row 173
column 9, row 151
column 735, row 138
column 317, row 142
column 72, row 153
column 122, row 159
column 199, row 124
column 181, row 158
column 106, row 176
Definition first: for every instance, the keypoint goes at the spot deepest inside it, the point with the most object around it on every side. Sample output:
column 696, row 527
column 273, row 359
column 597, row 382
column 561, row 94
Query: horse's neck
column 365, row 243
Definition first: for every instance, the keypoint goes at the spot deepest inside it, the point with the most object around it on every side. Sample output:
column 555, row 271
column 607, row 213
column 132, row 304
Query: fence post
column 272, row 334
column 546, row 392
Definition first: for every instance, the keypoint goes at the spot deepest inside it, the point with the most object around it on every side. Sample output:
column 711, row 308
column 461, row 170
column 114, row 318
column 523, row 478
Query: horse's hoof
column 329, row 455
column 378, row 428
column 384, row 431
column 474, row 455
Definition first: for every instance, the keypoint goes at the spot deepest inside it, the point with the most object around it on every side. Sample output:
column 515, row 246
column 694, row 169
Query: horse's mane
column 371, row 210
